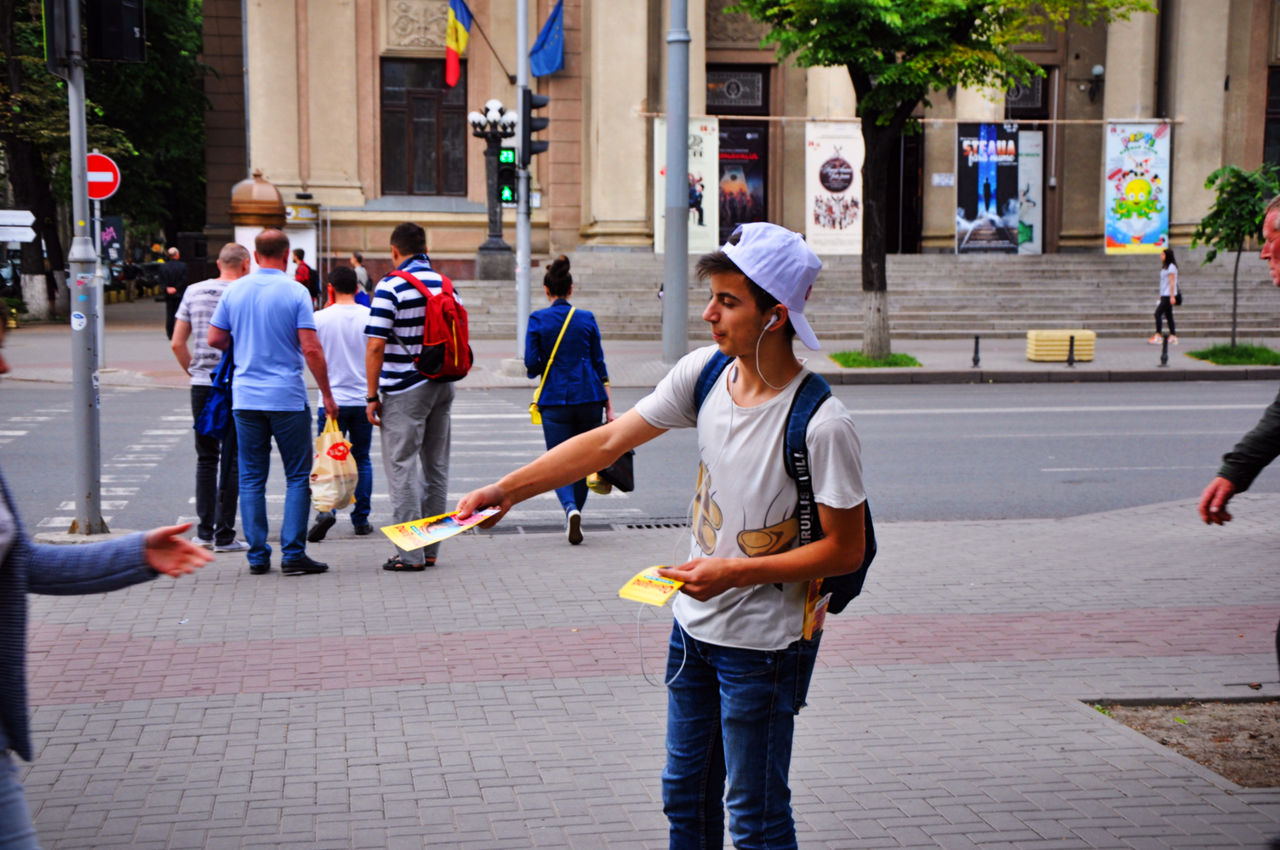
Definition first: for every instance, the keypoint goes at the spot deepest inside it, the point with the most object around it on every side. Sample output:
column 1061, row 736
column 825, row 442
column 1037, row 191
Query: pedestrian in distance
column 271, row 320
column 340, row 328
column 362, row 274
column 306, row 276
column 1261, row 445
column 217, row 462
column 744, row 602
column 575, row 388
column 412, row 412
column 27, row 567
column 173, row 283
column 1168, row 298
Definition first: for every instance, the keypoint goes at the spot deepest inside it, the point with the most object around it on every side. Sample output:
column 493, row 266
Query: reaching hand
column 1213, row 501
column 172, row 555
column 486, row 497
column 703, row 577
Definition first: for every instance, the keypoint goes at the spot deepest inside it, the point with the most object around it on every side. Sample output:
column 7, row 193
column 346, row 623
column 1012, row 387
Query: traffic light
column 506, row 175
column 117, row 30
column 530, row 125
column 57, row 37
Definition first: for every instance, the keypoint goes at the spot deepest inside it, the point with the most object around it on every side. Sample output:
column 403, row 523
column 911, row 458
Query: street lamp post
column 494, row 258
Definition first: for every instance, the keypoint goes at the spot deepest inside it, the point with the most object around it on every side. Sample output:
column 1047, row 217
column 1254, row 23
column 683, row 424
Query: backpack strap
column 813, row 391
column 707, row 378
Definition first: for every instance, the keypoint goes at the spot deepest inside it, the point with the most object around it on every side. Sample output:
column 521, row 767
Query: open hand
column 172, row 555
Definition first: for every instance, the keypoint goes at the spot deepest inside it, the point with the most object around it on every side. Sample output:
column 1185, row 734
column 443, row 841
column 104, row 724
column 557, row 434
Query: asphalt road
column 1005, row 451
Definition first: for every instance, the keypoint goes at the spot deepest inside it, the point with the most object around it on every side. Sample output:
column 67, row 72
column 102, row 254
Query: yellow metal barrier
column 1051, row 346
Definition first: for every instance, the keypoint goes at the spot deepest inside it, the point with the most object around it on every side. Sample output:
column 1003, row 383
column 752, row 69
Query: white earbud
column 773, row 320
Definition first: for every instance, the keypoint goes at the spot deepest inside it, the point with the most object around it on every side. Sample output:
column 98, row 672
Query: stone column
column 618, row 138
column 1130, row 74
column 1197, row 49
column 831, row 93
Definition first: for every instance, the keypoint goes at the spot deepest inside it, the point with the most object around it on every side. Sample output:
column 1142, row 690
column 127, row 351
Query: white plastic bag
column 333, row 471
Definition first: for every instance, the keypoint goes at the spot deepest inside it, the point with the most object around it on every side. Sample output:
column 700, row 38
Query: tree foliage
column 1236, row 213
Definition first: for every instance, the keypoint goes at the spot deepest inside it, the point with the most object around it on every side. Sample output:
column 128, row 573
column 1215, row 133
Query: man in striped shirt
column 411, row 411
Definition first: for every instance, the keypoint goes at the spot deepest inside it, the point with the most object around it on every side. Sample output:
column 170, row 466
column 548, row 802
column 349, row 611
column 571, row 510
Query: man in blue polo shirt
column 270, row 319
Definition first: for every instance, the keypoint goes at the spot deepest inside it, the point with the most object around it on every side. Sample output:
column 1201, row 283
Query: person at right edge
column 575, row 393
column 1168, row 297
column 739, row 665
column 1261, row 445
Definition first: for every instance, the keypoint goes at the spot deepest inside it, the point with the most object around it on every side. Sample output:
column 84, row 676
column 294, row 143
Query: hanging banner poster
column 1136, row 188
column 986, row 188
column 1030, row 191
column 833, row 155
column 703, row 179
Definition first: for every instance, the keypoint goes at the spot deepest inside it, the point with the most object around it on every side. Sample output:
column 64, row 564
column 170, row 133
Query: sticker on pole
column 78, row 321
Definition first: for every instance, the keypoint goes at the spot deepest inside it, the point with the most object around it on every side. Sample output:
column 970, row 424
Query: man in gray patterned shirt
column 217, row 471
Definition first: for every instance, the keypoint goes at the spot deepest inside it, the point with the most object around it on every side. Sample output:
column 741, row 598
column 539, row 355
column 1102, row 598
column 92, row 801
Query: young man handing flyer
column 742, row 607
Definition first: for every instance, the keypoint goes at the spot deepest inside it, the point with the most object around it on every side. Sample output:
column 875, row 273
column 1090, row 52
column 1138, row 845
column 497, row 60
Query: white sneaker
column 206, row 542
column 573, row 527
column 233, row 546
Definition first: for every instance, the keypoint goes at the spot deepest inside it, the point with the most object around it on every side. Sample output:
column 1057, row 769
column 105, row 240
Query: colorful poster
column 986, row 188
column 1136, row 188
column 704, row 208
column 744, row 168
column 433, row 529
column 1030, row 191
column 833, row 155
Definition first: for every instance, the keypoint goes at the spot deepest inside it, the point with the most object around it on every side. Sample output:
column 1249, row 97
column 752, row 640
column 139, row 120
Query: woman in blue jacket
column 575, row 395
column 61, row 571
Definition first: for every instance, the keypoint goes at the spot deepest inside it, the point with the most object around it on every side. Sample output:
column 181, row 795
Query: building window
column 1271, row 138
column 424, row 129
column 737, row 90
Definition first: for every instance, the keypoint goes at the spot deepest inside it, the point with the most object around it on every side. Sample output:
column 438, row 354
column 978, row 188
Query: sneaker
column 362, row 528
column 573, row 527
column 260, row 569
column 206, row 542
column 302, row 566
column 233, row 546
column 324, row 522
column 596, row 484
column 1155, row 340
column 1173, row 340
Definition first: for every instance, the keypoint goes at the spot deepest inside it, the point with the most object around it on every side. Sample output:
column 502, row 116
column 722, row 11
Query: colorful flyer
column 650, row 588
column 424, row 532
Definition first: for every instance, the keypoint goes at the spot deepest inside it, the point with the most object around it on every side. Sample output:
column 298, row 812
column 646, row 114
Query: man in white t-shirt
column 739, row 665
column 340, row 327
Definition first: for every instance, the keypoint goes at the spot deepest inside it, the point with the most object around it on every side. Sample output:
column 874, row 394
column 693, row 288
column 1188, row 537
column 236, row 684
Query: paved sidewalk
column 499, row 701
column 137, row 354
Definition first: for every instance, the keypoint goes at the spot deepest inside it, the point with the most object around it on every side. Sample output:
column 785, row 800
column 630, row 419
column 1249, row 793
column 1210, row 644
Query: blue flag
column 547, row 55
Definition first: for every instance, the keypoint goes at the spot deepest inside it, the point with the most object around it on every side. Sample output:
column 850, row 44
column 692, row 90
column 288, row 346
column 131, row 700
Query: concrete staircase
column 931, row 296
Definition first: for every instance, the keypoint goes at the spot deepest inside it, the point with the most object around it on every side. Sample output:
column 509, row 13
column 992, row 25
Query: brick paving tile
column 498, row 701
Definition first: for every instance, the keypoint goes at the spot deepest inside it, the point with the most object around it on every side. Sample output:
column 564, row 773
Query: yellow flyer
column 424, row 532
column 650, row 588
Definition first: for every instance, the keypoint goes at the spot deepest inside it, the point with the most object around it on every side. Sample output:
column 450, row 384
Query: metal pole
column 523, row 236
column 976, row 358
column 84, row 320
column 675, row 303
column 99, row 285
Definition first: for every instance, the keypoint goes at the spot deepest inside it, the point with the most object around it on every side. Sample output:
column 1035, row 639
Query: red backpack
column 446, row 347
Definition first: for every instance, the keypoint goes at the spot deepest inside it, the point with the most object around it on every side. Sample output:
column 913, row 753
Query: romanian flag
column 456, row 33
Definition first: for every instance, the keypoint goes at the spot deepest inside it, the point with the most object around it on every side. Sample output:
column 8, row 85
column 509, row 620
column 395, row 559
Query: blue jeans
column 16, row 829
column 560, row 423
column 358, row 430
column 731, row 716
column 292, row 432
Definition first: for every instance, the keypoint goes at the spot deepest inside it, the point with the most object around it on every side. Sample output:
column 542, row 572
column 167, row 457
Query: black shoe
column 260, row 569
column 324, row 522
column 363, row 528
column 302, row 566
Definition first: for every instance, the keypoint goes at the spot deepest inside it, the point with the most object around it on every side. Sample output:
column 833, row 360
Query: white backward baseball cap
column 781, row 263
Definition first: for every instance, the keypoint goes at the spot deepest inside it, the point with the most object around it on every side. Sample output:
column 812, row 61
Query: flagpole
column 485, row 36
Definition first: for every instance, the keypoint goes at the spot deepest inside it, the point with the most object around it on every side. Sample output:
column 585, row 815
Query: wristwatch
column 370, row 399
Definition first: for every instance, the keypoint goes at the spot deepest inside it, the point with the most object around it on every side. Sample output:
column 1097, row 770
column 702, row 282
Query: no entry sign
column 104, row 177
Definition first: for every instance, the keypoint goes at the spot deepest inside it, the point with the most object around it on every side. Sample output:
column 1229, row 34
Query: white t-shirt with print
column 1170, row 271
column 340, row 328
column 745, row 503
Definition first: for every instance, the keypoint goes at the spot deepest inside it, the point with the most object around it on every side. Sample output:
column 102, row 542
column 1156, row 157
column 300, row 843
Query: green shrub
column 1240, row 355
column 857, row 360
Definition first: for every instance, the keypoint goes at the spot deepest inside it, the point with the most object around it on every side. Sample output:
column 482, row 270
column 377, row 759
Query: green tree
column 1236, row 217
column 896, row 53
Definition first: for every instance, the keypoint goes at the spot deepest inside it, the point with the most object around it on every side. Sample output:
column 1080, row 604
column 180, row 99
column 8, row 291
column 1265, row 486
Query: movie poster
column 704, row 167
column 1136, row 188
column 744, row 148
column 1030, row 191
column 986, row 188
column 833, row 155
